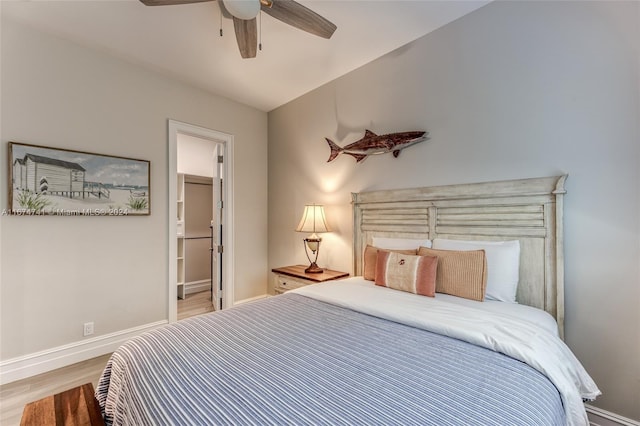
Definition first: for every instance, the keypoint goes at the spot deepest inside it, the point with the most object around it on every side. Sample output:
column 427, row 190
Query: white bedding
column 509, row 329
column 524, row 312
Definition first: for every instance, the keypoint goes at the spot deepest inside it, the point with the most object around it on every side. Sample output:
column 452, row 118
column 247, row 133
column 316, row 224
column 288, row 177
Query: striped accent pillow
column 414, row 274
column 460, row 273
column 370, row 256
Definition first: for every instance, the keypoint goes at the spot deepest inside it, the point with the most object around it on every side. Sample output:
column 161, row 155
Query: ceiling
column 183, row 41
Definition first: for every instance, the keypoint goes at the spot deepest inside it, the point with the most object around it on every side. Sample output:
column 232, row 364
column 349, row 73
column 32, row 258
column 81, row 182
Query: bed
column 354, row 352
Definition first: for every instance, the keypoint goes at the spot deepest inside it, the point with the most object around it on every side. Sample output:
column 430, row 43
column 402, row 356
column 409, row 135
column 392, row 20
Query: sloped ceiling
column 183, row 41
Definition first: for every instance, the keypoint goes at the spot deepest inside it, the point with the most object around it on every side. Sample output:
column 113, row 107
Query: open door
column 206, row 145
column 217, row 250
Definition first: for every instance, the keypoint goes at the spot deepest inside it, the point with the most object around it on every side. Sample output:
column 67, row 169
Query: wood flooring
column 195, row 304
column 14, row 396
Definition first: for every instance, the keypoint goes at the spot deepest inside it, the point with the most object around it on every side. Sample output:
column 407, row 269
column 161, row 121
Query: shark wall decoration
column 371, row 144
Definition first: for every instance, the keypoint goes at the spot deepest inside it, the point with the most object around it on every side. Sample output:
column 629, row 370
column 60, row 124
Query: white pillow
column 503, row 265
column 400, row 243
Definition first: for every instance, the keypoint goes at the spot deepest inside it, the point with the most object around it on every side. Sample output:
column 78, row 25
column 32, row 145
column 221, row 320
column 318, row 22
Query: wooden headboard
column 529, row 210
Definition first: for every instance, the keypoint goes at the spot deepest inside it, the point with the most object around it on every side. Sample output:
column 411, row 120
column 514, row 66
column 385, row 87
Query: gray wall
column 59, row 272
column 513, row 90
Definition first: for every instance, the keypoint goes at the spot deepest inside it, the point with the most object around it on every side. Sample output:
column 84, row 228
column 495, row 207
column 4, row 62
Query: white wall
column 59, row 272
column 513, row 90
column 195, row 156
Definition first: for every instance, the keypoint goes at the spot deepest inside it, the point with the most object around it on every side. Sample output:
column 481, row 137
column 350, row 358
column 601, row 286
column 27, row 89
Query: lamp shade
column 313, row 219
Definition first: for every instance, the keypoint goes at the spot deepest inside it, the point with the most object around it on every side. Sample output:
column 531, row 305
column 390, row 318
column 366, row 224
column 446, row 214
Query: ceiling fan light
column 243, row 9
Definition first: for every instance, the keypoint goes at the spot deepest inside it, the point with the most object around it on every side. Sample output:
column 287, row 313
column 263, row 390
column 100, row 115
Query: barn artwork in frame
column 53, row 181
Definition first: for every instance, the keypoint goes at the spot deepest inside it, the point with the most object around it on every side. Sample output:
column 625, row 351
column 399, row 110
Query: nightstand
column 290, row 277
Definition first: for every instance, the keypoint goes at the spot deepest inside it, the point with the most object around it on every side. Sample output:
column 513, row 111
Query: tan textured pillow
column 414, row 274
column 370, row 256
column 460, row 273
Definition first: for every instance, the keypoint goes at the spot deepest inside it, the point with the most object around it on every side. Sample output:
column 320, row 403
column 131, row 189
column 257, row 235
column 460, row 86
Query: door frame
column 175, row 128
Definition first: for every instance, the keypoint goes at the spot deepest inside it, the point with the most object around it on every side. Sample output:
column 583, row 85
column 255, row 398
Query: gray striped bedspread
column 293, row 360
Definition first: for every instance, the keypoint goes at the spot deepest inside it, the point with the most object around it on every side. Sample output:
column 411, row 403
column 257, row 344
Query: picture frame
column 63, row 182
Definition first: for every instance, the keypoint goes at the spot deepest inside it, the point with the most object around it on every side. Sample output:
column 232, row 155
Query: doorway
column 204, row 235
column 199, row 262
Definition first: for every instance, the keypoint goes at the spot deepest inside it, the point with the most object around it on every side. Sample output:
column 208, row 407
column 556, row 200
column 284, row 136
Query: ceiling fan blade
column 246, row 36
column 299, row 16
column 169, row 2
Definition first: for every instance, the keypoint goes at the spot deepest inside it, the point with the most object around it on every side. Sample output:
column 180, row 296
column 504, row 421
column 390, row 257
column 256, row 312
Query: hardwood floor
column 195, row 304
column 14, row 396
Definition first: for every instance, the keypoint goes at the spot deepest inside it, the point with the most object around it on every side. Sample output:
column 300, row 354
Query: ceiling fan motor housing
column 243, row 9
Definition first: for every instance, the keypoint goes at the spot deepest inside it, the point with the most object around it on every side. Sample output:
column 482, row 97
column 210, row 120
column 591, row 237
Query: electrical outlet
column 88, row 328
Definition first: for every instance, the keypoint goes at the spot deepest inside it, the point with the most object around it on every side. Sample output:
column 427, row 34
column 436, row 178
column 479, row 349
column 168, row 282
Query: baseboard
column 600, row 417
column 250, row 299
column 197, row 286
column 41, row 362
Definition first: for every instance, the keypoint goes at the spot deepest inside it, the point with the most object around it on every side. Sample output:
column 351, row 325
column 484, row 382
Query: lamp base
column 314, row 269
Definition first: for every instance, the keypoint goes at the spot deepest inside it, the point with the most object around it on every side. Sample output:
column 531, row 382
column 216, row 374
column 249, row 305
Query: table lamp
column 313, row 220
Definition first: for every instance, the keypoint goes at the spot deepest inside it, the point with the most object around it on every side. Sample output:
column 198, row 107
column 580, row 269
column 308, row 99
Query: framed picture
column 53, row 181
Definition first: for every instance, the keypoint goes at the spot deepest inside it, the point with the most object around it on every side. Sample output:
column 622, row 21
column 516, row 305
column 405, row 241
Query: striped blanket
column 294, row 360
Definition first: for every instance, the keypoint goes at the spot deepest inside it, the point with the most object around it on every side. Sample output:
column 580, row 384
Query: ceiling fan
column 244, row 14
